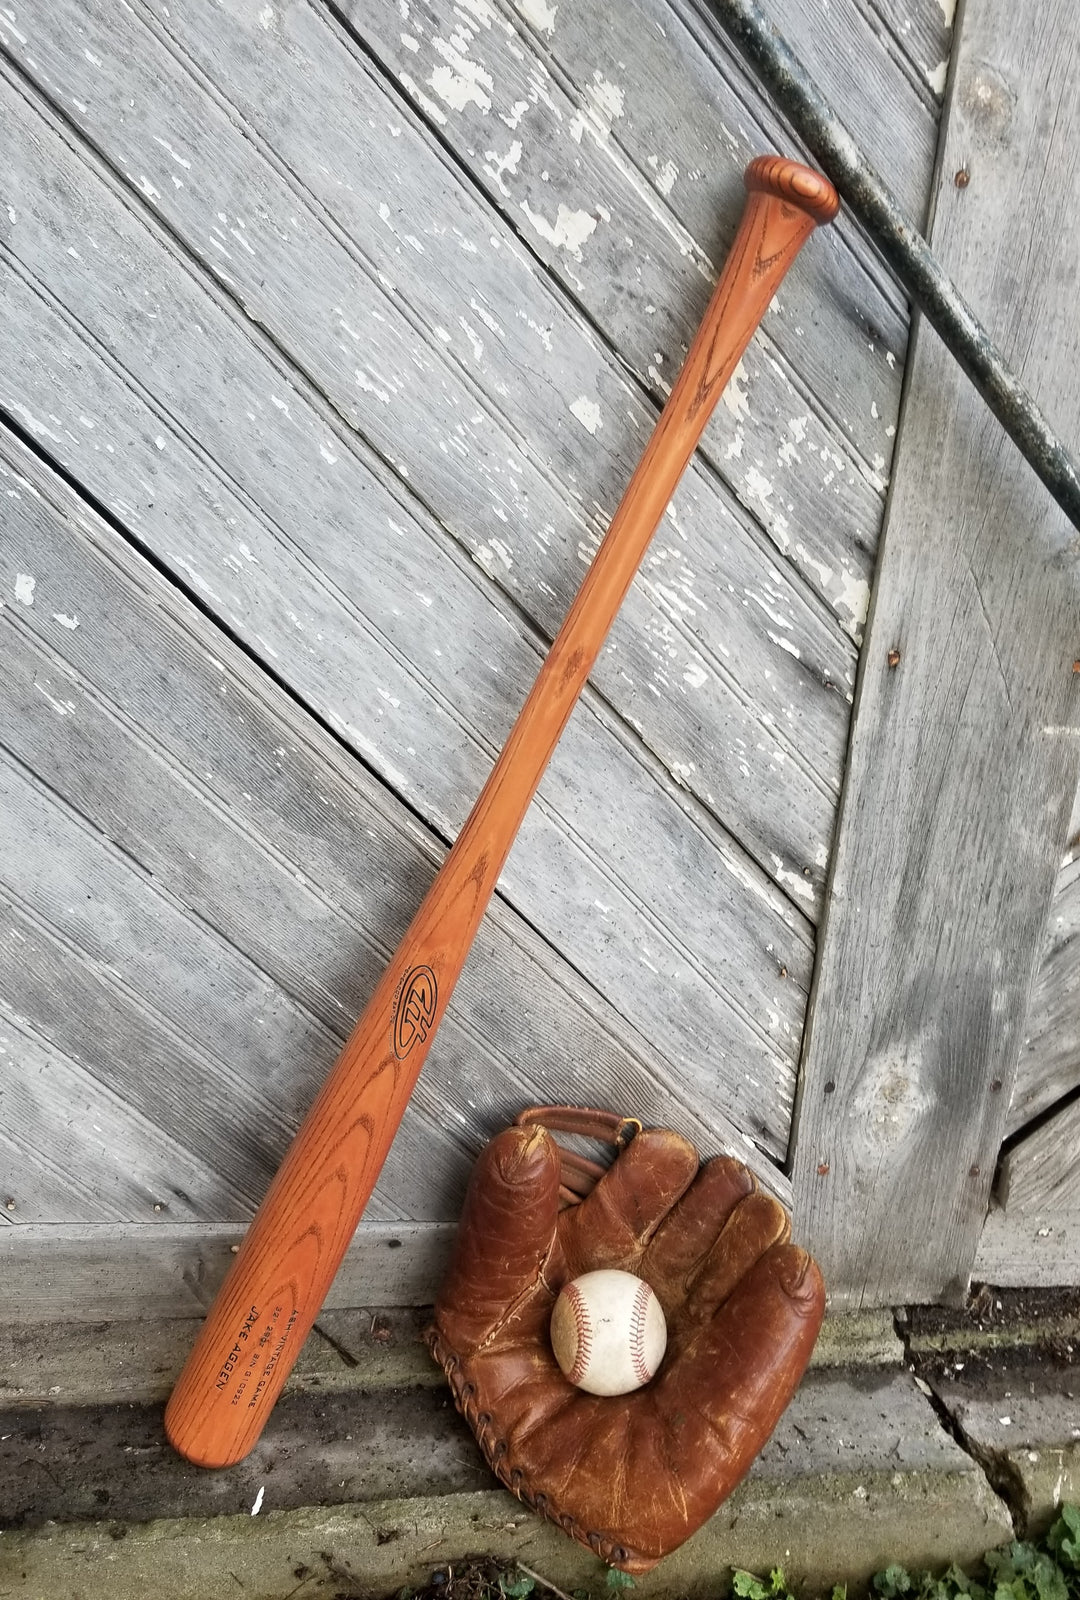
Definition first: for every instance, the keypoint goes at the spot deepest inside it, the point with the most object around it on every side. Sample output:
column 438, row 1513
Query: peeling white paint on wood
column 539, row 13
column 588, row 413
column 605, row 104
column 569, row 231
column 666, row 175
column 735, row 397
column 424, row 101
column 460, row 82
column 936, row 76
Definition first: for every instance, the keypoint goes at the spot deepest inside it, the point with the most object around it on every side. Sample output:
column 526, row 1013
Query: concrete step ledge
column 821, row 1529
column 366, row 1480
column 859, row 1472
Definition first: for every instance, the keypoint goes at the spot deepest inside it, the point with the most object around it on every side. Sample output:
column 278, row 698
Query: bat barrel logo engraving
column 415, row 1014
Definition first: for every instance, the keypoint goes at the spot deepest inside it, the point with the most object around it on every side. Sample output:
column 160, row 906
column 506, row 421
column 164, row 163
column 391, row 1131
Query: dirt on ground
column 482, row 1578
column 469, row 1580
column 996, row 1335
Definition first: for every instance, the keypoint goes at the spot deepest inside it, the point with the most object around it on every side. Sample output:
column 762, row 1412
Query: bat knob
column 798, row 185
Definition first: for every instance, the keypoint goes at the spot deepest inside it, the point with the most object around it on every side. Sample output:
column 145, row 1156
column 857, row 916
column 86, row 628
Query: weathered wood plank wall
column 331, row 333
column 613, row 154
column 194, row 941
column 397, row 676
column 963, row 766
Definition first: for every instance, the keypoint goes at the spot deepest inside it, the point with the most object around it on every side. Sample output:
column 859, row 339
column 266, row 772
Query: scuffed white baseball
column 608, row 1332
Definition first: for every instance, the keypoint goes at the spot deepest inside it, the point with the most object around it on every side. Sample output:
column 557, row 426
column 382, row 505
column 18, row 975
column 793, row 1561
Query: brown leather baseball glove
column 630, row 1476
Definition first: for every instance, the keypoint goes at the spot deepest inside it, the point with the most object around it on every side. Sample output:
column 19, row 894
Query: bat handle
column 279, row 1280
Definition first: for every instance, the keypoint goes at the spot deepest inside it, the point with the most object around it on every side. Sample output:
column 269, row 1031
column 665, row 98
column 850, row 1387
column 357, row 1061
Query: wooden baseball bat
column 278, row 1281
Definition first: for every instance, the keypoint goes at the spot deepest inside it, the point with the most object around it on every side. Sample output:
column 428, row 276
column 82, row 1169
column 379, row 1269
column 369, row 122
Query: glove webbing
column 578, row 1174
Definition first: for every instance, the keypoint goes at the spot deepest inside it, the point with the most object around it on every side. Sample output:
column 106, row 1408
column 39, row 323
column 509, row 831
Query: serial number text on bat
column 250, row 1353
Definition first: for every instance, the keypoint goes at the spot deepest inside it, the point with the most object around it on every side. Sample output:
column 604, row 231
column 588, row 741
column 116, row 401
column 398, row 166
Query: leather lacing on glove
column 628, row 1476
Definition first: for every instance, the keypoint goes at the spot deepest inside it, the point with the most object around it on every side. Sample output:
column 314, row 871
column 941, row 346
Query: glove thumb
column 508, row 1230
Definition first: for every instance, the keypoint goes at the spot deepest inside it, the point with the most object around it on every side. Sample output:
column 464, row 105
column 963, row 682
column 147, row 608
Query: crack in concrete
column 1000, row 1473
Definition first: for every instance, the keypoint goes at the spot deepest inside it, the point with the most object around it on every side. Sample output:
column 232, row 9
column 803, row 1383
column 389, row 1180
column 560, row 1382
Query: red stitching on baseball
column 584, row 1334
column 637, row 1333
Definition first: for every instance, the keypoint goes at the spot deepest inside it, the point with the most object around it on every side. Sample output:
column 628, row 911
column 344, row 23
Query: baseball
column 608, row 1332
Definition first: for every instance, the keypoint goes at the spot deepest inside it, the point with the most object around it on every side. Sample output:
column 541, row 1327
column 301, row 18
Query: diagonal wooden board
column 1043, row 1172
column 1031, row 1232
column 1050, row 1060
column 169, row 813
column 963, row 763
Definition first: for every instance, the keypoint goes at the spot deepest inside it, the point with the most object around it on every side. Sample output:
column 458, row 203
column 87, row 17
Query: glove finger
column 684, row 1239
column 755, row 1225
column 725, row 1391
column 497, row 1280
column 612, row 1226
